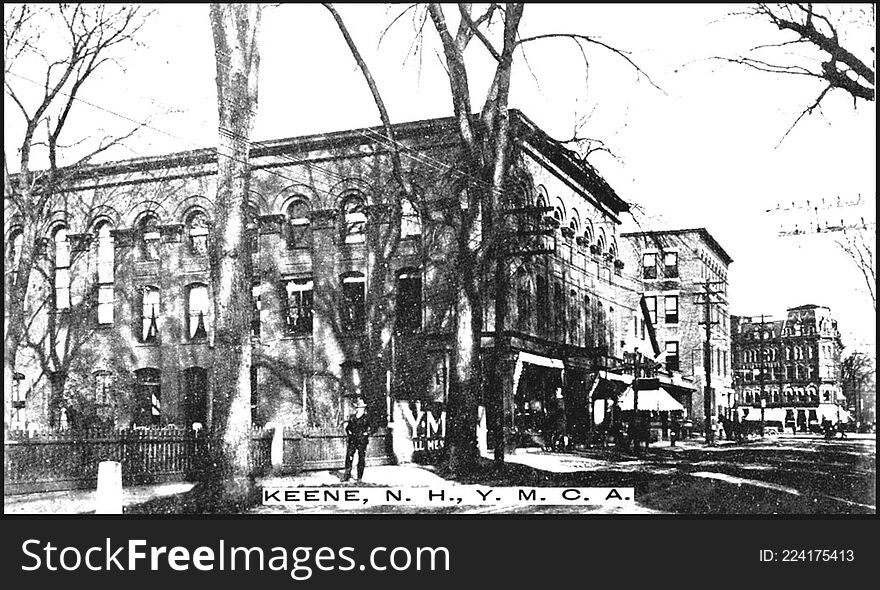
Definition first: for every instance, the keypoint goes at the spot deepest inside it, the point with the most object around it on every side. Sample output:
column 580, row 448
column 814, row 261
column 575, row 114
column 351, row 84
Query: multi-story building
column 129, row 295
column 790, row 366
column 675, row 266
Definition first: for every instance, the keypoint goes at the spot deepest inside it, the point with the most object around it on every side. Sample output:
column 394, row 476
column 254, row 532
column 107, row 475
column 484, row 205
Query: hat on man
column 359, row 403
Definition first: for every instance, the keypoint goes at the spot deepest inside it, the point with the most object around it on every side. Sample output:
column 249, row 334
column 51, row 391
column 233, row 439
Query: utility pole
column 635, row 388
column 708, row 397
column 761, row 376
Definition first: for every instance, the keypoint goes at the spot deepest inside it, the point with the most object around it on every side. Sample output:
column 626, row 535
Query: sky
column 702, row 151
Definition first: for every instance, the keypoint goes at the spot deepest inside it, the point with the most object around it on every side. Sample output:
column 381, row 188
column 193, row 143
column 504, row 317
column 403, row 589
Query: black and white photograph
column 439, row 259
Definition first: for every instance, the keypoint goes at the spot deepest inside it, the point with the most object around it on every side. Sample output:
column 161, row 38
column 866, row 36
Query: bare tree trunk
column 235, row 28
column 464, row 383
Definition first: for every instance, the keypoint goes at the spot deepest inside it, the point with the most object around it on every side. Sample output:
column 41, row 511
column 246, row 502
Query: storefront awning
column 608, row 389
column 541, row 361
column 655, row 399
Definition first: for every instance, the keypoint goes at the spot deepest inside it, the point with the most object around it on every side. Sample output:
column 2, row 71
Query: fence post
column 109, row 495
column 277, row 453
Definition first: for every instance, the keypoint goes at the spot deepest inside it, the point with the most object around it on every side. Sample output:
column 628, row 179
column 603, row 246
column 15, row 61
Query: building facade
column 675, row 266
column 126, row 336
column 790, row 366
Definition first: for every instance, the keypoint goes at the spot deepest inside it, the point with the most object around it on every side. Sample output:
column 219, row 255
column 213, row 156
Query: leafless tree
column 856, row 371
column 67, row 44
column 235, row 30
column 485, row 141
column 824, row 42
column 859, row 246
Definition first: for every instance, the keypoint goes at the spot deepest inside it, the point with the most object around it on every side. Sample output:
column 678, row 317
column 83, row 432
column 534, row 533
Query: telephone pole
column 761, row 376
column 708, row 394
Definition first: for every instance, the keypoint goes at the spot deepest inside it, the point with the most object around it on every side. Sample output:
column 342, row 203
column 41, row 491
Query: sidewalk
column 83, row 501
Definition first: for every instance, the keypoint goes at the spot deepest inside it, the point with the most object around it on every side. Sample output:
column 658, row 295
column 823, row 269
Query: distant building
column 674, row 266
column 799, row 358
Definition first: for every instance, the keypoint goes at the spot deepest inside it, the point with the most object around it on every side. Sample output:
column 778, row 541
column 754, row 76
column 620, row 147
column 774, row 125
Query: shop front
column 539, row 402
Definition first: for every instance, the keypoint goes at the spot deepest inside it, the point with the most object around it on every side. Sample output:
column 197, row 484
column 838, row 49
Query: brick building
column 674, row 265
column 130, row 302
column 792, row 364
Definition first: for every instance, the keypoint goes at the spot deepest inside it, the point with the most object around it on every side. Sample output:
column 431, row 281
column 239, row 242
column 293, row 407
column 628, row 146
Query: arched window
column 612, row 251
column 298, row 224
column 353, row 312
column 354, row 219
column 197, row 307
column 106, row 274
column 588, row 232
column 543, row 300
column 600, row 242
column 197, row 227
column 523, row 301
column 148, row 237
column 559, row 311
column 62, row 268
column 408, row 309
column 299, row 306
column 148, row 410
column 148, row 325
column 559, row 217
column 411, row 221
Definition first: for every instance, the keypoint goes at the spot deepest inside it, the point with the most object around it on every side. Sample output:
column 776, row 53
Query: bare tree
column 856, row 371
column 829, row 40
column 67, row 44
column 235, row 29
column 485, row 141
column 859, row 246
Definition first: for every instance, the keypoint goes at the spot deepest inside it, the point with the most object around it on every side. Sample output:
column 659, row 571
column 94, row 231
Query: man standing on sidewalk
column 358, row 429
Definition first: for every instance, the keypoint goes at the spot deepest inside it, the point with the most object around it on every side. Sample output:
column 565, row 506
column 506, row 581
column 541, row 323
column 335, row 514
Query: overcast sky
column 700, row 153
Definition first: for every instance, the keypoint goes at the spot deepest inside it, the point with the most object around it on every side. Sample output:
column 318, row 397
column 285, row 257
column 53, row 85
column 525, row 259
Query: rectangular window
column 149, row 315
column 543, row 305
column 671, row 309
column 353, row 312
column 18, row 403
column 103, row 380
column 105, row 304
column 197, row 316
column 62, row 288
column 672, row 363
column 256, row 307
column 649, row 266
column 149, row 399
column 409, row 302
column 651, row 302
column 298, row 319
column 670, row 265
column 351, row 380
